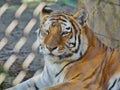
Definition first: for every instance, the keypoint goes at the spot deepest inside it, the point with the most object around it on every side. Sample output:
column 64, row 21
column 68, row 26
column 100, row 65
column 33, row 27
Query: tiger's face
column 61, row 37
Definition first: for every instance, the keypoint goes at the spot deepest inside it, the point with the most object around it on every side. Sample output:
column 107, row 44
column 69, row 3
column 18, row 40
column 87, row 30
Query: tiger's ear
column 46, row 10
column 81, row 16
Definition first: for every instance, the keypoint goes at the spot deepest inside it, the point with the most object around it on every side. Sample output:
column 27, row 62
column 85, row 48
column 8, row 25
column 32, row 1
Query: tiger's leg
column 30, row 84
column 35, row 83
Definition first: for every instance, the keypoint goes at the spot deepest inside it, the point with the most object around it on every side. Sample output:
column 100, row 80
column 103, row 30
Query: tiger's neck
column 53, row 70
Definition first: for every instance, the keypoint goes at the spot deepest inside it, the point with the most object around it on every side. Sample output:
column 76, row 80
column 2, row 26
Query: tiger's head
column 61, row 35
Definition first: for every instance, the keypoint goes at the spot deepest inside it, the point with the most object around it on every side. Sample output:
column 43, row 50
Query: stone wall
column 104, row 19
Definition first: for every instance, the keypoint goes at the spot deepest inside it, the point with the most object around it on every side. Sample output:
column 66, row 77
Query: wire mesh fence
column 19, row 44
column 14, row 47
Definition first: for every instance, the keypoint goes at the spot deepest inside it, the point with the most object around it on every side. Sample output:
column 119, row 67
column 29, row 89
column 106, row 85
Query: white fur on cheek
column 82, row 49
column 42, row 48
column 84, row 44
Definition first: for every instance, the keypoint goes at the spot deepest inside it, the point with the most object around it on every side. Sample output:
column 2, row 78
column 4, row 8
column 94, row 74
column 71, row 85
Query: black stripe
column 76, row 31
column 62, row 20
column 64, row 56
column 79, row 42
column 76, row 76
column 36, row 86
column 71, row 35
column 80, row 53
column 90, row 76
column 65, row 67
column 53, row 19
column 118, row 79
column 113, row 84
column 57, row 16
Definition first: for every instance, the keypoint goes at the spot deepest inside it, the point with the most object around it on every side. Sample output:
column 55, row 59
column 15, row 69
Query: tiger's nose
column 51, row 48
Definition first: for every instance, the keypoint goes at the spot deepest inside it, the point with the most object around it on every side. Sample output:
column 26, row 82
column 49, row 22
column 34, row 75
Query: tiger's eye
column 68, row 28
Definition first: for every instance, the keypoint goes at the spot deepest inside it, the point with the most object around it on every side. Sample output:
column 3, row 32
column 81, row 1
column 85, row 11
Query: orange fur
column 90, row 72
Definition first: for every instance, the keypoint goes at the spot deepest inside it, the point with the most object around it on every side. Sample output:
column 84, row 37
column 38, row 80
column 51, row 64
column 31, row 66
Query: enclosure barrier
column 10, row 61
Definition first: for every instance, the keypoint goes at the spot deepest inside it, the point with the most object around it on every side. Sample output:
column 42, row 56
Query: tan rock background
column 104, row 19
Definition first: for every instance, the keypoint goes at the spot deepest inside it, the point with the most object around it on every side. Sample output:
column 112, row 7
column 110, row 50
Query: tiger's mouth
column 61, row 54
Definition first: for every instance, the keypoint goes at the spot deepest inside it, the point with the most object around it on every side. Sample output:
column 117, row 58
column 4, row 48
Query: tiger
column 75, row 59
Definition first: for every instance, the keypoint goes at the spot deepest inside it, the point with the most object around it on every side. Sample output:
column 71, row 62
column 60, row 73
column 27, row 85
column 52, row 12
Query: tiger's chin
column 69, row 57
column 60, row 56
column 56, row 56
column 52, row 54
